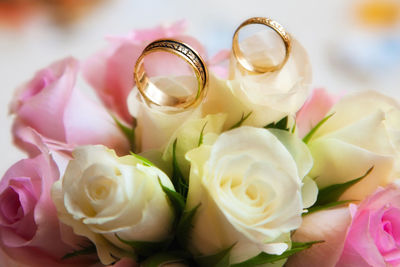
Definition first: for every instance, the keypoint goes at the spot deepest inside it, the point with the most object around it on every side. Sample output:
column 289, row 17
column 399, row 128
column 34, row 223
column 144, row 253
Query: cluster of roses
column 258, row 174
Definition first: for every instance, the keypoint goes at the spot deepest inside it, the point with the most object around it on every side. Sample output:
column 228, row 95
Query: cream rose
column 102, row 195
column 249, row 187
column 363, row 132
column 156, row 125
column 188, row 137
column 270, row 96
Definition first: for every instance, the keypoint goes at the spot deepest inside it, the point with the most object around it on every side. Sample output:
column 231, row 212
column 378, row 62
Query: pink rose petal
column 61, row 114
column 373, row 237
column 314, row 110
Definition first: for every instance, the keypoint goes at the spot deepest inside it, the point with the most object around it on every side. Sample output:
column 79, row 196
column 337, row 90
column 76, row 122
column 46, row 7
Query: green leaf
column 184, row 227
column 294, row 128
column 220, row 259
column 328, row 197
column 264, row 258
column 91, row 249
column 179, row 181
column 201, row 135
column 145, row 161
column 332, row 193
column 160, row 259
column 308, row 137
column 145, row 248
column 242, row 119
column 326, row 206
column 282, row 124
column 176, row 199
column 127, row 131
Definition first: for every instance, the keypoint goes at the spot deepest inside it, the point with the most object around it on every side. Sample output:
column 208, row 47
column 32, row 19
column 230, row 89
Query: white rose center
column 100, row 188
column 247, row 189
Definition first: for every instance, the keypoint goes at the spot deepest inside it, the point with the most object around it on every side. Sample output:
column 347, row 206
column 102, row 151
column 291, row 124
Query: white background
column 318, row 25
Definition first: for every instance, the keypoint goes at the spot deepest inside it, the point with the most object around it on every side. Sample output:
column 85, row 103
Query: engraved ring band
column 240, row 56
column 152, row 94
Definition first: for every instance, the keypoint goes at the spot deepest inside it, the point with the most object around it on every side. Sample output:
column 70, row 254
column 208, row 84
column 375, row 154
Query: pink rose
column 30, row 233
column 110, row 71
column 327, row 225
column 373, row 238
column 367, row 235
column 314, row 110
column 53, row 106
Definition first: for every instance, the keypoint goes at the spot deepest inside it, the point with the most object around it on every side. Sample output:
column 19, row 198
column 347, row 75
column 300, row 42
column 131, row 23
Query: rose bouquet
column 257, row 173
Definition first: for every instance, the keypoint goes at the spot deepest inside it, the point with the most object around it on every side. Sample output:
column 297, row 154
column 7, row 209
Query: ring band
column 152, row 93
column 273, row 25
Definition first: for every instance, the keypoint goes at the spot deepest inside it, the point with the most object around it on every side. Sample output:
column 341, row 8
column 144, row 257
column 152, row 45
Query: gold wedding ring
column 240, row 56
column 152, row 93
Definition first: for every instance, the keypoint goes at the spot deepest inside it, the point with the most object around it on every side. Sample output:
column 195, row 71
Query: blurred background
column 352, row 44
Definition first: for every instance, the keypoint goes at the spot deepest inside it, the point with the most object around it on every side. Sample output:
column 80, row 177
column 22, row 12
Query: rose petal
column 314, row 110
column 87, row 122
column 329, row 226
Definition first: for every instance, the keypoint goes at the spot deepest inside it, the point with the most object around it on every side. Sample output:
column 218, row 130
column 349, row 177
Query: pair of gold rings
column 154, row 95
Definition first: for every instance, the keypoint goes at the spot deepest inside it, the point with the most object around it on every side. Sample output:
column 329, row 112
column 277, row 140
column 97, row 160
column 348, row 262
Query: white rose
column 188, row 137
column 156, row 125
column 249, row 187
column 102, row 195
column 270, row 96
column 363, row 132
